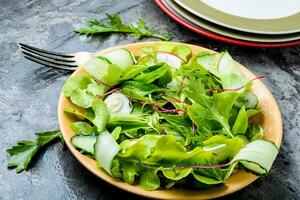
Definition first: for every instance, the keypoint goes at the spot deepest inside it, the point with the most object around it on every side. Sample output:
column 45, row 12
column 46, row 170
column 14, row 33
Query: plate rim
column 161, row 194
column 220, row 30
column 221, row 38
column 234, row 19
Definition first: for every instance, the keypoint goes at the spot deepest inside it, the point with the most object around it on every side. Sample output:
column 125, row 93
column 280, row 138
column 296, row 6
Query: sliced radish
column 170, row 59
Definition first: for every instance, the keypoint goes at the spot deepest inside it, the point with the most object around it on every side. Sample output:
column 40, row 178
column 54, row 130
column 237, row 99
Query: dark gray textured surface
column 29, row 95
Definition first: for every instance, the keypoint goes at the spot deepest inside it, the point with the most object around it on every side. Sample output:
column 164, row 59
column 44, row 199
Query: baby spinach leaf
column 133, row 71
column 154, row 73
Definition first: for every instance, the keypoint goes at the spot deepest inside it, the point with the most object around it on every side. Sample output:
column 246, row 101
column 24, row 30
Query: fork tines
column 49, row 58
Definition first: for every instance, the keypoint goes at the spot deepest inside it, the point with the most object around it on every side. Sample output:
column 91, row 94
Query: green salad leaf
column 165, row 119
column 22, row 154
column 186, row 126
column 83, row 128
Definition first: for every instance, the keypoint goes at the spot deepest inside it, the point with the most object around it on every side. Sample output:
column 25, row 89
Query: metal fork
column 54, row 59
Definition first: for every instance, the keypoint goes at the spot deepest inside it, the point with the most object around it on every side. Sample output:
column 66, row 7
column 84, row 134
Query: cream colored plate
column 202, row 23
column 270, row 120
column 268, row 17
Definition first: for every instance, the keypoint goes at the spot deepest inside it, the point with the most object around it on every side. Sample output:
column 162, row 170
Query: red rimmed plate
column 218, row 37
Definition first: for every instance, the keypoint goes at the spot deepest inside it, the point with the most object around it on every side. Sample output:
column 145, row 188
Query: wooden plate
column 270, row 120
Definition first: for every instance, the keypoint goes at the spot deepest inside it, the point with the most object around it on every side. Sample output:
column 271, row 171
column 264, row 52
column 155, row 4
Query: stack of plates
column 257, row 23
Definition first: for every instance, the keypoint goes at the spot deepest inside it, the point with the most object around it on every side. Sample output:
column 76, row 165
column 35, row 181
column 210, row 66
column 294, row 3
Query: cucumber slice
column 84, row 142
column 101, row 69
column 105, row 150
column 170, row 59
column 120, row 57
column 257, row 156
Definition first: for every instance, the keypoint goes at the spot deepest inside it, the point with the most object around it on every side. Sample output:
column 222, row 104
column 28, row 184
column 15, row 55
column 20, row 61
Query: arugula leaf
column 22, row 154
column 115, row 25
column 216, row 108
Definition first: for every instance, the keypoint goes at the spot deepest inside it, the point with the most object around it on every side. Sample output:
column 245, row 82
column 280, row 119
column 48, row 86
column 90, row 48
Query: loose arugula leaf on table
column 115, row 25
column 22, row 154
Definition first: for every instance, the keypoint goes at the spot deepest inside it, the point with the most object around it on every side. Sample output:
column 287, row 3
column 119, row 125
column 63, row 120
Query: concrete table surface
column 29, row 94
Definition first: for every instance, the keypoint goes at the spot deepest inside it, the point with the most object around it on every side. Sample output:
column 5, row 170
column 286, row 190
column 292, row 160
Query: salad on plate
column 168, row 118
